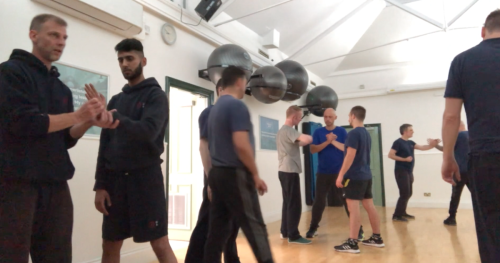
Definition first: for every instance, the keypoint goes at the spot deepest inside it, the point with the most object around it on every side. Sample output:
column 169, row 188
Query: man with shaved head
column 328, row 142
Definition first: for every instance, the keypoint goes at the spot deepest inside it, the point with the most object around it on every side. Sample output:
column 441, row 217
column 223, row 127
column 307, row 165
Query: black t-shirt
column 359, row 139
column 404, row 149
column 475, row 78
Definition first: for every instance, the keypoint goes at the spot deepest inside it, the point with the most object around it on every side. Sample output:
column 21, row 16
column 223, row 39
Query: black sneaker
column 450, row 221
column 399, row 218
column 374, row 242
column 311, row 233
column 407, row 216
column 349, row 246
column 361, row 234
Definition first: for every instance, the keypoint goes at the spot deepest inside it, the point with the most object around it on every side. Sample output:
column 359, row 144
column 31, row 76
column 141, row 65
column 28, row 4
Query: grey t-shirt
column 227, row 116
column 288, row 150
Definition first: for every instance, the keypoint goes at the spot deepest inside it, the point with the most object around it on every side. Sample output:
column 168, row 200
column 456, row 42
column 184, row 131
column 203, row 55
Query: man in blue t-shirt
column 328, row 142
column 234, row 178
column 462, row 156
column 356, row 178
column 403, row 152
column 198, row 238
column 474, row 81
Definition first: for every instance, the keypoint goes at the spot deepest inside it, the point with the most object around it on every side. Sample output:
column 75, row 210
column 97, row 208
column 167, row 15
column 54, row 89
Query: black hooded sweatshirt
column 29, row 92
column 138, row 141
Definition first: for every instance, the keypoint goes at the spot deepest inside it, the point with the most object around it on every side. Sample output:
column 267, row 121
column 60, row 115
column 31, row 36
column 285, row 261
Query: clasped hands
column 330, row 137
column 104, row 119
column 433, row 142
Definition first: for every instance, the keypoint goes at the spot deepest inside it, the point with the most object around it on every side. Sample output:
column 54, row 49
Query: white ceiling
column 302, row 21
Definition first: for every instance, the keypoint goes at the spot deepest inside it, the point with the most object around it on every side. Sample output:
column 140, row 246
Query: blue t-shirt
column 404, row 149
column 462, row 151
column 475, row 78
column 330, row 158
column 227, row 116
column 203, row 121
column 359, row 139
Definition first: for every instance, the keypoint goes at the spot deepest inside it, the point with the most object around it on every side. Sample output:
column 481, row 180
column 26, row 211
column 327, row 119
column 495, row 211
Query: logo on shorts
column 153, row 224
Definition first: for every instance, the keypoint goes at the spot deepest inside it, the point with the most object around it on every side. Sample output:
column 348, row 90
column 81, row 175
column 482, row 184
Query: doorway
column 376, row 162
column 184, row 167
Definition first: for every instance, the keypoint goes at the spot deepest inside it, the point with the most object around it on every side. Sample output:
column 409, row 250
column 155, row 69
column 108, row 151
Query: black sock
column 353, row 241
column 376, row 235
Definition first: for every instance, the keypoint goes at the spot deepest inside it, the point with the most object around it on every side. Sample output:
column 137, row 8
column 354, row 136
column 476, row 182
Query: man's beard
column 137, row 72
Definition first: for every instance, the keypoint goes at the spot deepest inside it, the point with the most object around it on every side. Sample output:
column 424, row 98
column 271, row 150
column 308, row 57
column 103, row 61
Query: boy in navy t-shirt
column 356, row 179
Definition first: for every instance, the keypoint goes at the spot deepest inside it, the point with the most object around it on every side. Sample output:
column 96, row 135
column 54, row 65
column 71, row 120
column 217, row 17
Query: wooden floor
column 424, row 240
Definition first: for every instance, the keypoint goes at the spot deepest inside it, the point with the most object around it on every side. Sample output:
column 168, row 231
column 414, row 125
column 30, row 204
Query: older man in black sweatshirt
column 129, row 181
column 37, row 127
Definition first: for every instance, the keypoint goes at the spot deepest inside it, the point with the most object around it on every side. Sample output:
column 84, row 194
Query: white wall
column 91, row 47
column 424, row 111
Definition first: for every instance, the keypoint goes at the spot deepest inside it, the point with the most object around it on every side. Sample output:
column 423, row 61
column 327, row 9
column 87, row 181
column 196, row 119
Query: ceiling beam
column 329, row 30
column 416, row 13
column 379, row 46
column 221, row 9
column 253, row 13
column 462, row 12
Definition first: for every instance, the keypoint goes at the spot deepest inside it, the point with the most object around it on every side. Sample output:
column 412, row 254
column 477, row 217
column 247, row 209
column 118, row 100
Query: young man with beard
column 328, row 142
column 37, row 128
column 129, row 182
column 356, row 178
column 196, row 249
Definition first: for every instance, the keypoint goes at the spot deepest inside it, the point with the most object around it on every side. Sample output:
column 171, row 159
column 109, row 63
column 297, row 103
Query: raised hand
column 433, row 142
column 91, row 92
column 89, row 110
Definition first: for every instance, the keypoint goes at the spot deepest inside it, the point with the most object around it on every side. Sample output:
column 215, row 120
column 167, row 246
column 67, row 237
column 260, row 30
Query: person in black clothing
column 402, row 151
column 37, row 128
column 474, row 82
column 196, row 249
column 462, row 156
column 234, row 178
column 129, row 182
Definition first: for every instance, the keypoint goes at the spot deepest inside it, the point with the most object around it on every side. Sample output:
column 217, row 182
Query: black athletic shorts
column 138, row 206
column 357, row 189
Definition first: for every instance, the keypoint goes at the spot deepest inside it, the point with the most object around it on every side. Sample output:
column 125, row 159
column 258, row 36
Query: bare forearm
column 319, row 147
column 346, row 165
column 424, row 147
column 62, row 121
column 78, row 130
column 450, row 133
column 205, row 157
column 339, row 145
column 245, row 154
column 397, row 158
column 439, row 147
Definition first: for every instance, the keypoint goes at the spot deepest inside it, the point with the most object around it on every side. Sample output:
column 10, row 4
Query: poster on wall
column 76, row 79
column 268, row 130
